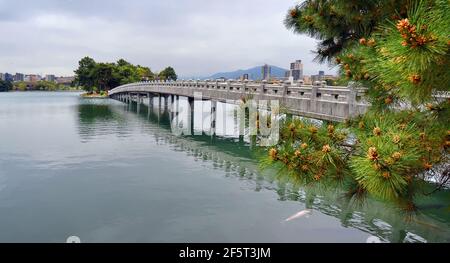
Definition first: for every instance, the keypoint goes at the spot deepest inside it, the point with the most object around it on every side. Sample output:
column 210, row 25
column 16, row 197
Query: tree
column 145, row 73
column 84, row 75
column 168, row 74
column 400, row 51
column 338, row 23
column 22, row 86
column 5, row 85
column 46, row 85
column 104, row 76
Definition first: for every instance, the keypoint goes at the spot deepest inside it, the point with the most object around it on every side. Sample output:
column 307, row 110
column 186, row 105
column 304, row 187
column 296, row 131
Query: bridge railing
column 284, row 89
column 317, row 101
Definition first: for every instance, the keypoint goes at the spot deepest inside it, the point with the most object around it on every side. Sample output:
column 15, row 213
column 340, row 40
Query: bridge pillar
column 191, row 113
column 166, row 102
column 150, row 100
column 313, row 99
column 213, row 117
column 252, row 141
column 138, row 102
column 263, row 86
column 159, row 107
column 351, row 100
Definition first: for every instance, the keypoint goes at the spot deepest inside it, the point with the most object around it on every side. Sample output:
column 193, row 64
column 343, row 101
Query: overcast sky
column 196, row 37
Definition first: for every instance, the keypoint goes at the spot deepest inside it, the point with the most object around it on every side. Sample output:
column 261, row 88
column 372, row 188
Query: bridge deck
column 317, row 101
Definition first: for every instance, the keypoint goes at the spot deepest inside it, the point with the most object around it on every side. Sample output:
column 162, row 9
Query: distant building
column 19, row 77
column 33, row 78
column 307, row 80
column 244, row 77
column 8, row 77
column 321, row 77
column 2, row 76
column 296, row 70
column 266, row 71
column 50, row 78
column 67, row 81
column 321, row 74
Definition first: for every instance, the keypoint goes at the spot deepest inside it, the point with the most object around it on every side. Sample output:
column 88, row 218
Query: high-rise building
column 34, row 78
column 19, row 77
column 67, row 81
column 2, row 76
column 9, row 77
column 50, row 78
column 265, row 72
column 287, row 74
column 321, row 74
column 296, row 70
column 244, row 76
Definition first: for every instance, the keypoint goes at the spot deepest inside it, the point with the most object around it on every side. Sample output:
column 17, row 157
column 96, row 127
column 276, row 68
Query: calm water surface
column 97, row 169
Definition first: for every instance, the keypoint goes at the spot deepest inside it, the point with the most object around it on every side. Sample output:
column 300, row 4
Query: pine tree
column 399, row 50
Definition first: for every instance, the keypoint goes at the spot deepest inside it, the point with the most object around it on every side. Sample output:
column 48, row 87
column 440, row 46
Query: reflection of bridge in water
column 237, row 159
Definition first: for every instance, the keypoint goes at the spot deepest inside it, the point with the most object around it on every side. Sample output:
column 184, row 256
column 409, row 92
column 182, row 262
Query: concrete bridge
column 316, row 101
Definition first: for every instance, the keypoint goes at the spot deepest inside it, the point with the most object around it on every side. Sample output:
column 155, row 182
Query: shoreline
column 94, row 96
column 23, row 91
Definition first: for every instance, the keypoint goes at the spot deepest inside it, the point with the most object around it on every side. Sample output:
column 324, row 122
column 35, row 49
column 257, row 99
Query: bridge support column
column 138, row 103
column 150, row 104
column 252, row 141
column 177, row 110
column 351, row 100
column 213, row 117
column 172, row 101
column 166, row 102
column 159, row 107
column 150, row 99
column 191, row 114
column 313, row 99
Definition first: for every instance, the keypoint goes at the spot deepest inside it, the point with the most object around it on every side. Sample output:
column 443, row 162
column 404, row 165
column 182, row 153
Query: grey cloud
column 197, row 37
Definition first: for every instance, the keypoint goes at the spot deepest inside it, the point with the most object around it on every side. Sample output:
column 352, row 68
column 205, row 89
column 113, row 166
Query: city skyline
column 265, row 74
column 190, row 36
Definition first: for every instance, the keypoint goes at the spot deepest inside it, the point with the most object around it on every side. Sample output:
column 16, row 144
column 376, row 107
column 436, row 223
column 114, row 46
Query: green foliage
column 399, row 51
column 168, row 74
column 84, row 75
column 41, row 85
column 93, row 76
column 5, row 85
column 405, row 59
column 337, row 23
column 311, row 152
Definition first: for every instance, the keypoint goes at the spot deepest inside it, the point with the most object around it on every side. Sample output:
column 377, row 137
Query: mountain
column 253, row 73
